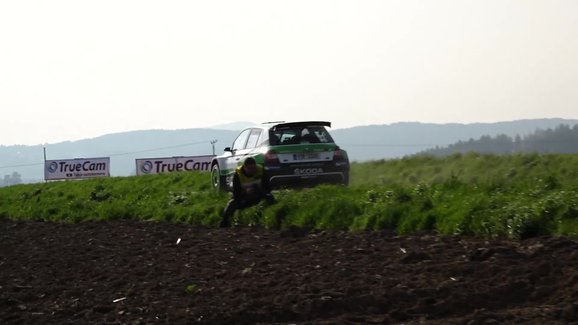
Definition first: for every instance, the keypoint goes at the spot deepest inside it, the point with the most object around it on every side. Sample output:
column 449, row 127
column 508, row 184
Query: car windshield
column 299, row 135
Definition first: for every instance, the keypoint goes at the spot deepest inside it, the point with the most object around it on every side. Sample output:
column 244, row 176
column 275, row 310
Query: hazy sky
column 77, row 69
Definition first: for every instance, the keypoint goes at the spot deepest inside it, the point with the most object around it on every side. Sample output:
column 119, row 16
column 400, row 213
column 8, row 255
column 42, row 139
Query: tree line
column 562, row 139
column 9, row 180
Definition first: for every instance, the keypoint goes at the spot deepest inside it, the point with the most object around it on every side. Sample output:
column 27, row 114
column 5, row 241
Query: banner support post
column 45, row 179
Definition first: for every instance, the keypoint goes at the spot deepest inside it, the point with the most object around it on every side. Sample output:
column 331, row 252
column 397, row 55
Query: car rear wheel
column 217, row 181
column 346, row 179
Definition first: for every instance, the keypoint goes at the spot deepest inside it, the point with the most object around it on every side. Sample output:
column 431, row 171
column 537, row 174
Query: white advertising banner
column 148, row 166
column 76, row 168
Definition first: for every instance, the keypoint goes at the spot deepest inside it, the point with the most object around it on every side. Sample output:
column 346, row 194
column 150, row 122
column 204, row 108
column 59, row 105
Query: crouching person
column 249, row 188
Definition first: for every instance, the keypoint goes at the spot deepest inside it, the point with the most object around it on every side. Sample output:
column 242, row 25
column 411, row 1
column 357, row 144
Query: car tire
column 217, row 181
column 345, row 179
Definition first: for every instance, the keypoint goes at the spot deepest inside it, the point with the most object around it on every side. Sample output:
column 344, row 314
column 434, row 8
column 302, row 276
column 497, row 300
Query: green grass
column 471, row 168
column 516, row 196
column 181, row 197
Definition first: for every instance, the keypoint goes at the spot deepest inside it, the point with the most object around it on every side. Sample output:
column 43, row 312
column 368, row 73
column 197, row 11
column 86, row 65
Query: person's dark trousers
column 234, row 205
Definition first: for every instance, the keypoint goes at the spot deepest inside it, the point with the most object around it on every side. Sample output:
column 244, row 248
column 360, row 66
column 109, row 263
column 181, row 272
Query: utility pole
column 213, row 144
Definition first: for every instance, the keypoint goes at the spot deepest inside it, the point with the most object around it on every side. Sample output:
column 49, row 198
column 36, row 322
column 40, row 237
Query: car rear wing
column 300, row 124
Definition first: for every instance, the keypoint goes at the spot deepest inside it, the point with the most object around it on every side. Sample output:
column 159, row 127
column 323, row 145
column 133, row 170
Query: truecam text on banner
column 76, row 168
column 173, row 164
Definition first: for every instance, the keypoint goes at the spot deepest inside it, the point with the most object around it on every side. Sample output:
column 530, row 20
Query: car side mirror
column 228, row 149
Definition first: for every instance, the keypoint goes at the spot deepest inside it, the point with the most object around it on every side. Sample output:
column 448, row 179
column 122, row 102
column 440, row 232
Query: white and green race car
column 295, row 154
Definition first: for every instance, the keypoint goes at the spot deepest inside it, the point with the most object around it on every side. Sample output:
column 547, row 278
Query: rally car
column 295, row 154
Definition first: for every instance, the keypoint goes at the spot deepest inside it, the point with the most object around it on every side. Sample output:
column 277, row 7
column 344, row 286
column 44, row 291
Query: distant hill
column 401, row 139
column 562, row 139
column 362, row 143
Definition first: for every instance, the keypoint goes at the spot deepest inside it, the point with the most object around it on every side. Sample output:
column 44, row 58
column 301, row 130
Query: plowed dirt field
column 126, row 272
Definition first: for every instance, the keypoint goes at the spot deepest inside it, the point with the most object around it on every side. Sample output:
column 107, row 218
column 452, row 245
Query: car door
column 249, row 148
column 238, row 151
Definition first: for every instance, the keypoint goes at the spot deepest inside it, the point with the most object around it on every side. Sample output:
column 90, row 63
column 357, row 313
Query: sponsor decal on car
column 307, row 171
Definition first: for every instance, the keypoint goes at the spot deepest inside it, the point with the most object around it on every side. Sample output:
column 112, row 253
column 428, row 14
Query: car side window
column 241, row 140
column 253, row 138
column 263, row 139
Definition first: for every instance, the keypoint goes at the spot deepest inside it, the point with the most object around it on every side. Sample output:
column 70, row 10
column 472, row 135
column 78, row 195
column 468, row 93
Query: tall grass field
column 517, row 196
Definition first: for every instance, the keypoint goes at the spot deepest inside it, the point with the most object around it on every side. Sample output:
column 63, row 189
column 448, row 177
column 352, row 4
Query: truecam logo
column 52, row 167
column 70, row 167
column 167, row 166
column 147, row 167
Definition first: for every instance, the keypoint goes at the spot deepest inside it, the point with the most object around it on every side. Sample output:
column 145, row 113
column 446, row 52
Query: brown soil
column 126, row 272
